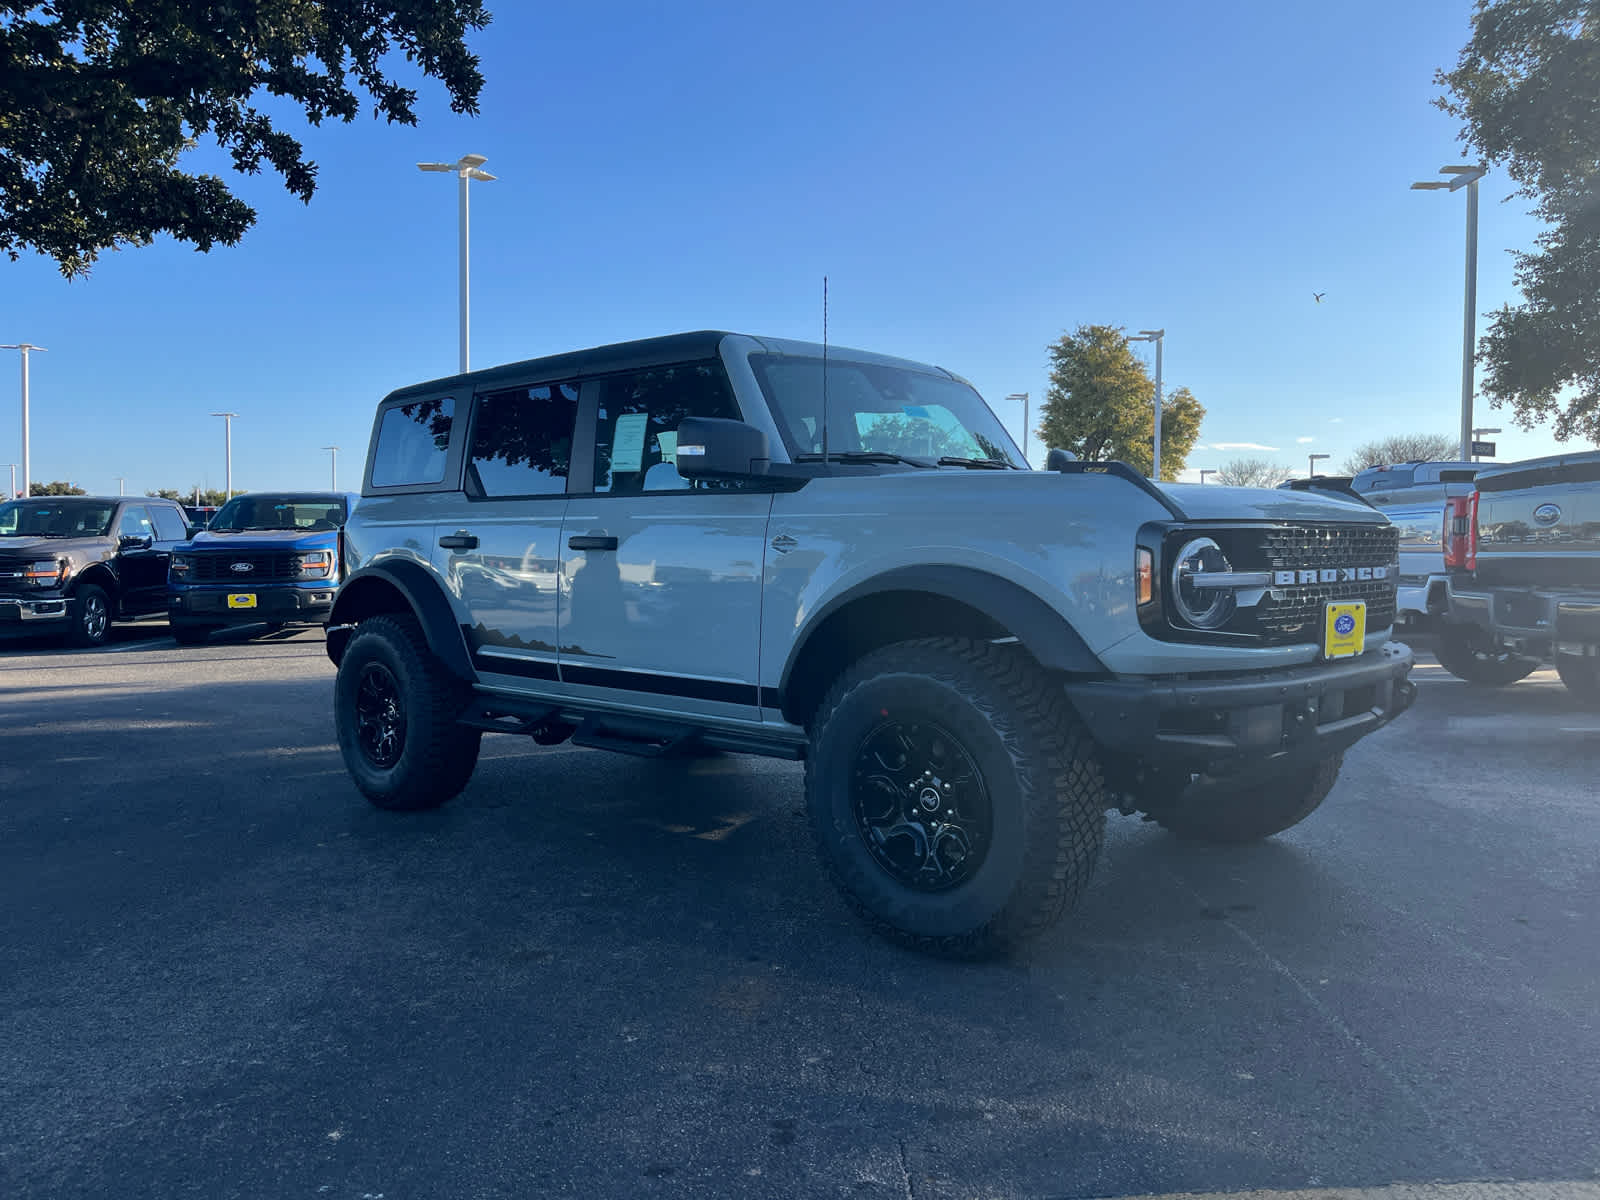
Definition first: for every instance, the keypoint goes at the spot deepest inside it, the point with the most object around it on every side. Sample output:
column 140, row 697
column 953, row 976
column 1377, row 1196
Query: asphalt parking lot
column 224, row 975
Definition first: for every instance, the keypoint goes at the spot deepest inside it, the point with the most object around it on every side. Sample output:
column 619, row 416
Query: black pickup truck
column 75, row 564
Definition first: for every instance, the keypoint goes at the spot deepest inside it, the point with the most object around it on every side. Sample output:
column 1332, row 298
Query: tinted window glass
column 636, row 431
column 412, row 442
column 135, row 522
column 522, row 441
column 168, row 523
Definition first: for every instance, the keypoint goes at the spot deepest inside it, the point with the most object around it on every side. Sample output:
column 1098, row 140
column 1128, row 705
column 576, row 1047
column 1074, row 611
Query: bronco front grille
column 1288, row 613
column 224, row 568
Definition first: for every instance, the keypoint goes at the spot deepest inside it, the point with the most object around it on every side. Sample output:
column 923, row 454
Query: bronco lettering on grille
column 1329, row 575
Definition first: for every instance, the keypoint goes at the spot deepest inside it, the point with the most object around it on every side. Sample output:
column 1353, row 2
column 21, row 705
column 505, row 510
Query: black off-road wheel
column 91, row 617
column 192, row 635
column 395, row 708
column 1247, row 806
column 1469, row 654
column 954, row 797
column 1581, row 675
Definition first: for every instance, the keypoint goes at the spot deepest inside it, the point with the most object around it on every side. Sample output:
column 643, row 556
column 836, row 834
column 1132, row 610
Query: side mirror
column 1057, row 459
column 716, row 448
column 135, row 541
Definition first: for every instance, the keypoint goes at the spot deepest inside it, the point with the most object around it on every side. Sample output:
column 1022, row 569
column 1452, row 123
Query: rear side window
column 636, row 433
column 522, row 441
column 168, row 523
column 413, row 442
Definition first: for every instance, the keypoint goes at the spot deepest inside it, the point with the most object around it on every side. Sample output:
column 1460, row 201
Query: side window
column 636, row 432
column 169, row 525
column 522, row 441
column 412, row 443
column 135, row 523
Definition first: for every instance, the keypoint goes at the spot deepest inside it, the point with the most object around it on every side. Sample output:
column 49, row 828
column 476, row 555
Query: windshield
column 55, row 518
column 880, row 409
column 305, row 513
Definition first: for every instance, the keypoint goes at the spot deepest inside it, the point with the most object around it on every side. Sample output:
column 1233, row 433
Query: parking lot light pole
column 1464, row 177
column 12, row 494
column 1204, row 471
column 1154, row 335
column 1311, row 464
column 1475, row 434
column 467, row 167
column 121, row 485
column 227, row 442
column 1022, row 398
column 333, row 467
column 25, row 348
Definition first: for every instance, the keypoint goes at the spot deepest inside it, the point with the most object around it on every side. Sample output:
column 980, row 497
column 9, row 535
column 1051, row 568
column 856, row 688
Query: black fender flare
column 1043, row 631
column 426, row 599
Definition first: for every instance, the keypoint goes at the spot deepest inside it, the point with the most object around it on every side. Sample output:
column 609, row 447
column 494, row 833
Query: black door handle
column 459, row 541
column 582, row 542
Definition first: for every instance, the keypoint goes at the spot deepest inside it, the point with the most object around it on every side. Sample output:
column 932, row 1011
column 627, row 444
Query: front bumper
column 1531, row 621
column 307, row 605
column 32, row 614
column 1314, row 710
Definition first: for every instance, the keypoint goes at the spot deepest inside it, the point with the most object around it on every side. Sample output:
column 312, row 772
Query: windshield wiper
column 980, row 464
column 862, row 456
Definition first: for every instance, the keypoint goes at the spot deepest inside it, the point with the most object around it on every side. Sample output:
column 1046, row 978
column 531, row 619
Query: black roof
column 600, row 360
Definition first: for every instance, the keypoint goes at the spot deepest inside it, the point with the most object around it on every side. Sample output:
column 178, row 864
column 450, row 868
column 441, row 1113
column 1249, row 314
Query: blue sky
column 975, row 180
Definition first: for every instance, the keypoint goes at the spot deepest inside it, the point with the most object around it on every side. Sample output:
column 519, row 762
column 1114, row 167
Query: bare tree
column 1400, row 448
column 1253, row 472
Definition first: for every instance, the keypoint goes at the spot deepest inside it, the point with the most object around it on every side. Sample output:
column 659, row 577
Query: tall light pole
column 1204, row 471
column 1154, row 335
column 333, row 467
column 25, row 348
column 227, row 441
column 1022, row 398
column 467, row 167
column 1464, row 177
column 12, row 494
column 1311, row 464
column 121, row 481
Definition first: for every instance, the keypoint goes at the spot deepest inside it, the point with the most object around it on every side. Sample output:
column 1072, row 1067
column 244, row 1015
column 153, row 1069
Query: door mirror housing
column 135, row 541
column 717, row 448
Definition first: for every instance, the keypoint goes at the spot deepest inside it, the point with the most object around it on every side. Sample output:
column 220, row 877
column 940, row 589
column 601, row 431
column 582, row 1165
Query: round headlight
column 1201, row 607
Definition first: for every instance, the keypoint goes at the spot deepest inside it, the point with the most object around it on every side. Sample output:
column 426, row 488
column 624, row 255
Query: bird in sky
column 1317, row 296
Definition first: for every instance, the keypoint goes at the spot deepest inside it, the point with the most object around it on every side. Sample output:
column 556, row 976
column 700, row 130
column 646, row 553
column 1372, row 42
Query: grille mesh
column 1314, row 546
column 215, row 568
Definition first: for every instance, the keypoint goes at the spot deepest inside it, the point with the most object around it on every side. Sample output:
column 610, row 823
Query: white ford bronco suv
column 715, row 542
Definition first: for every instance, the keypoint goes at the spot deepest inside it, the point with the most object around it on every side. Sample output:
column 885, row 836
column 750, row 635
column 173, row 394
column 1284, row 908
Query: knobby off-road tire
column 1581, row 674
column 1248, row 806
column 1468, row 654
column 954, row 797
column 91, row 617
column 395, row 709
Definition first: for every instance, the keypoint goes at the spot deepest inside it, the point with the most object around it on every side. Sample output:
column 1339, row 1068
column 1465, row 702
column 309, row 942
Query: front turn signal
column 1144, row 571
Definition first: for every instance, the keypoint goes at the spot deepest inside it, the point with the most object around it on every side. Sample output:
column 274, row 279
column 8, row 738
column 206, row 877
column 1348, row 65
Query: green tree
column 1101, row 404
column 1403, row 448
column 1524, row 89
column 169, row 494
column 57, row 487
column 1253, row 472
column 99, row 100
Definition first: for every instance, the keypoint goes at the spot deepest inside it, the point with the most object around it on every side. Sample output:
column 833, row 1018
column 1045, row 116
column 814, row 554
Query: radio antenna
column 824, row 368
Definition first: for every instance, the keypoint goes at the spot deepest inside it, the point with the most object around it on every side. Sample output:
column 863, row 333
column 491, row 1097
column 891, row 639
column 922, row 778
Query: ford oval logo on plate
column 1547, row 514
column 242, row 567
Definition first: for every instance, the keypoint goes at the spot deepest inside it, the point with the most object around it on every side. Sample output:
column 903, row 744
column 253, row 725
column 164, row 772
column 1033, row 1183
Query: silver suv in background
column 720, row 542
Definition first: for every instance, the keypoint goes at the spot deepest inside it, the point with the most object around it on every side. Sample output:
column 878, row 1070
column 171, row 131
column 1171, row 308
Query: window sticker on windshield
column 669, row 446
column 627, row 441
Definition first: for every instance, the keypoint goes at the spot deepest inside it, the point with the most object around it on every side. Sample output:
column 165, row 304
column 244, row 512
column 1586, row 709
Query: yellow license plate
column 242, row 600
column 1344, row 629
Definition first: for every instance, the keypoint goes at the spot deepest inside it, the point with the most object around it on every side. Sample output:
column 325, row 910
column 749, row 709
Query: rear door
column 661, row 582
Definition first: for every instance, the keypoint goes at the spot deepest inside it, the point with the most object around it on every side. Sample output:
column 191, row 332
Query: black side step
column 628, row 735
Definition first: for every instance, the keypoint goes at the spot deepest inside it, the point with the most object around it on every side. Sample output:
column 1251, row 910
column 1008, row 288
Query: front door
column 661, row 582
column 141, row 563
column 496, row 542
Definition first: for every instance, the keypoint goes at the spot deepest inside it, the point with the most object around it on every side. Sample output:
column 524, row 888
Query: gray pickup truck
column 714, row 542
column 1525, row 580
